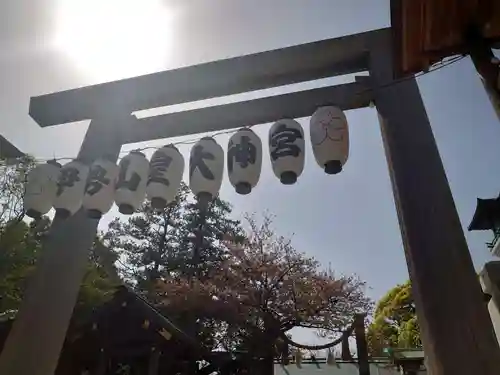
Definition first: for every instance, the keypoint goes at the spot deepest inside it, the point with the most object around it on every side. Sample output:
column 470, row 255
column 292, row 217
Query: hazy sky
column 348, row 220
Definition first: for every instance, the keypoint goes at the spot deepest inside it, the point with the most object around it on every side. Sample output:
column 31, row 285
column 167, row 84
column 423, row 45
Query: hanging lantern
column 286, row 147
column 131, row 183
column 244, row 160
column 100, row 188
column 330, row 138
column 165, row 176
column 206, row 166
column 41, row 189
column 70, row 188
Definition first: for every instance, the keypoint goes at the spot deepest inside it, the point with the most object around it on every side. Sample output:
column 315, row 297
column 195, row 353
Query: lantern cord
column 122, row 153
column 433, row 68
column 437, row 66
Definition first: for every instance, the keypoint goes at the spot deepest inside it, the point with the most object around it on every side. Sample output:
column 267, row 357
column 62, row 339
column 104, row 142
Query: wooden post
column 267, row 364
column 456, row 329
column 154, row 361
column 361, row 344
column 102, row 364
column 37, row 335
column 346, row 351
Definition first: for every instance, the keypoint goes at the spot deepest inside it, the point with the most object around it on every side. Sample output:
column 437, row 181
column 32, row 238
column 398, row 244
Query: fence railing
column 496, row 238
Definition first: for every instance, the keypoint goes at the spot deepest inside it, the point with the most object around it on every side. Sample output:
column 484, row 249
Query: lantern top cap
column 137, row 152
column 107, row 157
column 329, row 107
column 55, row 163
column 245, row 129
column 171, row 145
column 287, row 121
column 332, row 110
column 79, row 159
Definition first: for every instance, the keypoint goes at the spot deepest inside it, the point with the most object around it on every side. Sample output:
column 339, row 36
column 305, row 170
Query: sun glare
column 112, row 39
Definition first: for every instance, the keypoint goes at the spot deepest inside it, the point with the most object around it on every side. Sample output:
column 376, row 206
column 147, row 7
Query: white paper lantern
column 41, row 189
column 206, row 167
column 244, row 160
column 330, row 138
column 131, row 183
column 165, row 176
column 286, row 148
column 100, row 189
column 70, row 188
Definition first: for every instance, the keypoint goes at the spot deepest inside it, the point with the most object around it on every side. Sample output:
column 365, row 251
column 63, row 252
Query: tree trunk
column 154, row 362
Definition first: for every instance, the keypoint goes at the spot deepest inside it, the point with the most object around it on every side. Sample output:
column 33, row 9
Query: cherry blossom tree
column 263, row 288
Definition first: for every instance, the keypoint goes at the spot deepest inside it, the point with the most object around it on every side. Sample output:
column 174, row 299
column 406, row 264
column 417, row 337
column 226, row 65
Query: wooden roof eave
column 428, row 31
column 126, row 298
column 486, row 212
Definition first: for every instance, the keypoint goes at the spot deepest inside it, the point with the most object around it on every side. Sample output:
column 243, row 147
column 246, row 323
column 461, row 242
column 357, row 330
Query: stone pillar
column 490, row 282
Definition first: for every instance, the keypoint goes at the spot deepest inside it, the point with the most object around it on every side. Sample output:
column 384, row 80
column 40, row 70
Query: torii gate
column 456, row 328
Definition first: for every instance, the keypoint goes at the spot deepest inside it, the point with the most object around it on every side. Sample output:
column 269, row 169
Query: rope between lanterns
column 189, row 141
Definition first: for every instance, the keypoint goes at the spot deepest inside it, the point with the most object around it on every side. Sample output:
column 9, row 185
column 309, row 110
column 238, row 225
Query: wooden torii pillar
column 456, row 329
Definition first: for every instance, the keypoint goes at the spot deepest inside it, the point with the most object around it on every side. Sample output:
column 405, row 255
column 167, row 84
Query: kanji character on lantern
column 286, row 147
column 165, row 176
column 100, row 188
column 206, row 167
column 70, row 188
column 131, row 183
column 244, row 160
